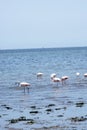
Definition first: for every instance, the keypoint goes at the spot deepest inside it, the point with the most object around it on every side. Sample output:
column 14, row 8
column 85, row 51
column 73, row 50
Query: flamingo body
column 55, row 79
column 64, row 78
column 53, row 75
column 85, row 75
column 24, row 84
column 39, row 74
column 77, row 74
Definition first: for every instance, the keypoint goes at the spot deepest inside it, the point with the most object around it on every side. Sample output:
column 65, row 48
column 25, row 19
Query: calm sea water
column 22, row 65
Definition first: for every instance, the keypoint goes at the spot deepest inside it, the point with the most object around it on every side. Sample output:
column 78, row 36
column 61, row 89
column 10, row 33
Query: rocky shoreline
column 44, row 118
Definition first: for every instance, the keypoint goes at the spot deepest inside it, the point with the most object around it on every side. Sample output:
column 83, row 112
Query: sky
column 42, row 23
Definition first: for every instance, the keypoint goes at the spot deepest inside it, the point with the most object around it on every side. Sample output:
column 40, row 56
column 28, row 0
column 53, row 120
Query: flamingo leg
column 24, row 89
column 28, row 89
column 57, row 83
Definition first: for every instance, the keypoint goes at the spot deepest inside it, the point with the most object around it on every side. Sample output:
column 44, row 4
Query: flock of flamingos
column 53, row 78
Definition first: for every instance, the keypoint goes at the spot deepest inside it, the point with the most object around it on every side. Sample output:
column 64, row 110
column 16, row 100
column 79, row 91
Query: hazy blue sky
column 43, row 23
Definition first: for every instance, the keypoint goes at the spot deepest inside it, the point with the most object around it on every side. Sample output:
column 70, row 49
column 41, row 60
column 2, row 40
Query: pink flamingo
column 56, row 79
column 23, row 84
column 85, row 75
column 63, row 79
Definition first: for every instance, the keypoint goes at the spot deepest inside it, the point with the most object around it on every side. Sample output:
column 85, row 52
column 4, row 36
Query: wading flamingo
column 63, row 79
column 39, row 75
column 56, row 79
column 85, row 75
column 52, row 75
column 77, row 74
column 24, row 85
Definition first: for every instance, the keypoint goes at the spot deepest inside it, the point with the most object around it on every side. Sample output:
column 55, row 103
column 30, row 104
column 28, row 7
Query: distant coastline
column 42, row 48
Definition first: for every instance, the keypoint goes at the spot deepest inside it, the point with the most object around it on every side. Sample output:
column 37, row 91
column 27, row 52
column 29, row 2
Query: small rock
column 13, row 121
column 48, row 110
column 33, row 112
column 78, row 119
column 50, row 105
column 79, row 104
column 34, row 107
column 60, row 115
column 31, row 121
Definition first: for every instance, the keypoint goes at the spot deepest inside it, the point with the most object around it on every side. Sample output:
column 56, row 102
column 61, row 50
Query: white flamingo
column 63, row 79
column 39, row 75
column 56, row 79
column 85, row 75
column 77, row 74
column 52, row 75
column 23, row 84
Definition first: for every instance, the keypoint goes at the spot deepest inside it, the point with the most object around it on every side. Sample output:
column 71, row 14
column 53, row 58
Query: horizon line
column 42, row 48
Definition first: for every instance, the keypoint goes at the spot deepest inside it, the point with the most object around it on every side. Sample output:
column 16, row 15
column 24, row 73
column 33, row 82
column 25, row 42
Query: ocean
column 49, row 105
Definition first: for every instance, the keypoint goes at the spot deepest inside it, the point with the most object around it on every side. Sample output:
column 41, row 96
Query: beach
column 47, row 105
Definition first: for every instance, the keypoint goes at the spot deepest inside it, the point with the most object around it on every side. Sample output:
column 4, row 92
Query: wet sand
column 64, row 109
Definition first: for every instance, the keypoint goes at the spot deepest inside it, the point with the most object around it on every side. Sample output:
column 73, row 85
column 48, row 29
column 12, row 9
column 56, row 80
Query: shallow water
column 55, row 104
